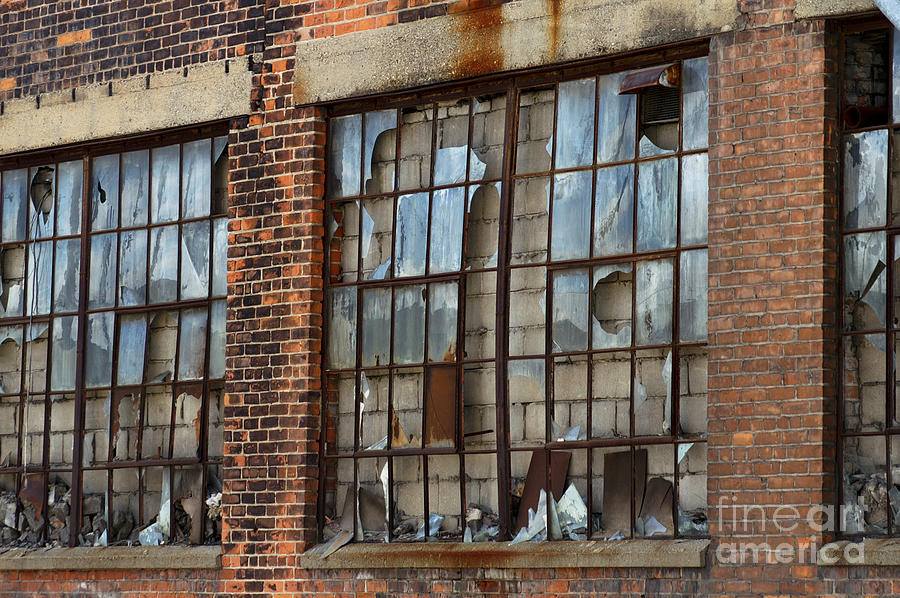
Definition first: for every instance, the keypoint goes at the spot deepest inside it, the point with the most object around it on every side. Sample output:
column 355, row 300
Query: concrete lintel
column 113, row 557
column 868, row 553
column 174, row 98
column 517, row 35
column 810, row 9
column 502, row 555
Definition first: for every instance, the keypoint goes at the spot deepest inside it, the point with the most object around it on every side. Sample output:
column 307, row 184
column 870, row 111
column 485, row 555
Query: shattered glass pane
column 220, row 175
column 611, row 306
column 695, row 103
column 99, row 353
column 571, row 233
column 215, row 435
column 452, row 143
column 412, row 234
column 105, row 193
column 65, row 334
column 570, row 381
column 187, row 423
column 133, row 267
column 446, row 517
column 344, row 154
column 865, row 489
column 610, row 387
column 864, row 383
column 443, row 307
column 217, row 340
column 445, row 253
column 409, row 324
column 163, row 264
column 692, row 302
column 68, row 198
column 408, row 405
column 616, row 127
column 614, row 211
column 102, row 281
column 535, row 132
column 415, row 147
column 196, row 178
column 483, row 226
column 479, row 410
column 570, row 310
column 39, row 277
column 11, row 338
column 376, row 326
column 652, row 391
column 657, row 216
column 381, row 150
column 531, row 216
column 694, row 199
column 527, row 311
column 126, row 425
column 164, row 184
column 95, row 449
column 192, row 344
column 15, row 193
column 342, row 328
column 527, row 394
column 220, row 257
column 865, row 179
column 163, row 341
column 376, row 236
column 40, row 206
column 195, row 260
column 12, row 294
column 575, row 123
column 340, row 394
column 865, row 286
column 659, row 134
column 693, row 374
column 132, row 344
column 135, row 187
column 488, row 127
column 343, row 241
column 481, row 315
column 654, row 302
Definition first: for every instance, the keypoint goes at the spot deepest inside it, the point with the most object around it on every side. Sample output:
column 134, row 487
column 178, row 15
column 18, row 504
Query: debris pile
column 866, row 500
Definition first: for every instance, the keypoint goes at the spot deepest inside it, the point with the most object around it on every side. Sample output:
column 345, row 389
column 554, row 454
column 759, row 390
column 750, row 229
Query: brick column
column 772, row 307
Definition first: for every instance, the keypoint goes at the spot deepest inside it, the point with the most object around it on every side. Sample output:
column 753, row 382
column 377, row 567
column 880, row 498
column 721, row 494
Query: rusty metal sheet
column 661, row 76
column 617, row 476
column 536, row 479
column 441, row 406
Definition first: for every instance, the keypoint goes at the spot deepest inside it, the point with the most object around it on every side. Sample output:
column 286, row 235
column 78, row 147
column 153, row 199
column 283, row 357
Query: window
column 112, row 321
column 516, row 311
column 869, row 443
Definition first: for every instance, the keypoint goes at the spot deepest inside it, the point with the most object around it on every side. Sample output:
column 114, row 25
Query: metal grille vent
column 660, row 104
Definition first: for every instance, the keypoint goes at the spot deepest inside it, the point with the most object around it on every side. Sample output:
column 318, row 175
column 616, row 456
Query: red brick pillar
column 772, row 307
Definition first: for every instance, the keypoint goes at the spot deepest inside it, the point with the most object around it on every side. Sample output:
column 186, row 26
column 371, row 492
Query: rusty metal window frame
column 512, row 87
column 33, row 481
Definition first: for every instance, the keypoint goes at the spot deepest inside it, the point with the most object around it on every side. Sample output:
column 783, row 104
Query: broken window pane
column 376, row 326
column 11, row 338
column 483, row 226
column 126, row 425
column 654, row 519
column 527, row 393
column 220, row 257
column 36, row 357
column 570, row 380
column 695, row 103
column 615, row 128
column 216, row 430
column 99, row 353
column 163, row 264
column 343, row 242
column 488, row 127
column 481, row 313
column 409, row 324
column 452, row 143
column 652, row 392
column 195, row 260
column 692, row 302
column 157, row 422
column 610, row 387
column 135, row 180
column 570, row 310
column 187, row 422
column 62, row 412
column 196, row 178
column 657, row 216
column 13, row 288
column 445, row 253
column 67, row 275
column 614, row 210
column 132, row 344
column 192, row 344
column 446, row 517
column 164, row 184
column 381, row 150
column 105, row 193
column 443, row 300
column 65, row 334
column 865, row 491
column 95, row 448
column 654, row 302
column 479, row 413
column 102, row 281
column 133, row 267
column 344, row 155
column 33, row 445
column 220, row 175
column 40, row 278
column 217, row 340
column 694, row 199
column 571, row 234
column 864, row 383
column 408, row 496
column 15, row 193
column 575, row 123
column 692, row 404
column 40, row 207
column 531, row 208
column 342, row 328
column 163, row 339
column 373, row 408
column 376, row 236
column 864, row 281
column 865, row 179
column 68, row 197
column 535, row 133
column 659, row 121
column 412, row 234
column 407, row 402
column 527, row 310
column 415, row 147
column 611, row 306
column 693, row 516
column 341, row 393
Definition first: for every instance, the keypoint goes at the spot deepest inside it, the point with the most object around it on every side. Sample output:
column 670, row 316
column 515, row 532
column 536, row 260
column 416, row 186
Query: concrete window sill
column 874, row 553
column 502, row 555
column 113, row 557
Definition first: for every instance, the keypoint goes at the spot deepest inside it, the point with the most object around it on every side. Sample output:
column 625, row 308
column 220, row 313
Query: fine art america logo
column 756, row 520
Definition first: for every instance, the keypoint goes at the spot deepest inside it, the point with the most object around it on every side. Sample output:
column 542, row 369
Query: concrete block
column 612, row 377
column 871, row 363
column 603, row 414
column 649, row 417
column 410, row 499
column 693, row 414
column 479, row 386
column 535, row 422
column 660, row 461
column 698, row 374
column 692, row 491
column 873, row 406
column 516, row 422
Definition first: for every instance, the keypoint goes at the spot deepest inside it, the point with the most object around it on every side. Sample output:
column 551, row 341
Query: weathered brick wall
column 113, row 584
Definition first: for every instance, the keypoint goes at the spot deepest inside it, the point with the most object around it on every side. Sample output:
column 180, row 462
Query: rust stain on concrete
column 481, row 47
column 553, row 9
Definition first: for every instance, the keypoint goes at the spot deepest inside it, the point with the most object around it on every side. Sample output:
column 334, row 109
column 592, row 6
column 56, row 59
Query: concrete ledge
column 873, row 553
column 486, row 555
column 114, row 557
column 809, row 9
column 174, row 98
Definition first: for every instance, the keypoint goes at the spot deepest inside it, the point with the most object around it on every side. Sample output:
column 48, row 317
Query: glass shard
column 452, row 152
column 865, row 286
column 344, row 154
column 657, row 216
column 105, row 193
column 575, row 123
column 164, row 183
column 611, row 306
column 571, row 213
column 445, row 253
column 654, row 302
column 135, row 187
column 615, row 127
column 377, row 238
column 865, row 179
column 195, row 260
column 380, row 151
column 196, row 178
column 409, row 324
